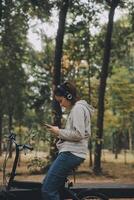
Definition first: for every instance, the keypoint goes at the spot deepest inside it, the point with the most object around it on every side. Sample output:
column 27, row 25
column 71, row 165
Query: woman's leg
column 57, row 174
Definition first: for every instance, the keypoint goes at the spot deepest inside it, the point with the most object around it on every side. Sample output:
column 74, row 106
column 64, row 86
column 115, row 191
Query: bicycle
column 5, row 193
column 20, row 190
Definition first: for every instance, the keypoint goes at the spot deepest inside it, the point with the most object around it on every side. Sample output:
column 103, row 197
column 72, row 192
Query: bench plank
column 111, row 190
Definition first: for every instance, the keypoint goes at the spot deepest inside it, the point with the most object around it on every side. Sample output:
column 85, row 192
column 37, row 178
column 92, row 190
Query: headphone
column 66, row 93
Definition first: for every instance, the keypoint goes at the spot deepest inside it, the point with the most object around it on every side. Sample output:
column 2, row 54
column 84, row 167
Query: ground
column 119, row 170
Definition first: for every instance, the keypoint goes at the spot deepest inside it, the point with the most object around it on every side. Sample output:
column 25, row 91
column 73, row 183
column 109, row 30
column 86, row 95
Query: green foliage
column 78, row 37
column 26, row 75
column 12, row 51
column 121, row 54
column 19, row 64
column 37, row 165
column 119, row 105
column 121, row 88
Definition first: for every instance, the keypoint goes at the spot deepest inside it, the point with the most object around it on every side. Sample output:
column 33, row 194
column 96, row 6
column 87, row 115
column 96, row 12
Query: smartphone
column 44, row 124
column 47, row 125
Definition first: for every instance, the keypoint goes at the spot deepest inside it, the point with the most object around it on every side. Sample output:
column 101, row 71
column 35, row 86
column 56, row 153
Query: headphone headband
column 65, row 92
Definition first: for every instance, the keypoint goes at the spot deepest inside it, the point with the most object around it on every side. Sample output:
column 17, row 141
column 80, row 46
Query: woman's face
column 63, row 102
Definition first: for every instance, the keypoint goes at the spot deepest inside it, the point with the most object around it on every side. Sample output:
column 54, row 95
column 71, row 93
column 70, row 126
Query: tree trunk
column 89, row 88
column 0, row 135
column 59, row 43
column 130, row 140
column 10, row 129
column 103, row 78
column 1, row 7
column 57, row 113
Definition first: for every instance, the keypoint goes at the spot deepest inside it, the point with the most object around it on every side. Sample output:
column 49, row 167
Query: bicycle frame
column 14, row 165
column 18, row 148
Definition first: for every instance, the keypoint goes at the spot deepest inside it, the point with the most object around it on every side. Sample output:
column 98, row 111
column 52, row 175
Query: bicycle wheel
column 92, row 196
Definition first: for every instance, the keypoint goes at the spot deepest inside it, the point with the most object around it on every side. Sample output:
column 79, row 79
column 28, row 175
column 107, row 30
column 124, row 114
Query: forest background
column 100, row 63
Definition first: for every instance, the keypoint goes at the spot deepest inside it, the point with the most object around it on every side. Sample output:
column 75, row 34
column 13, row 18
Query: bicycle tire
column 92, row 196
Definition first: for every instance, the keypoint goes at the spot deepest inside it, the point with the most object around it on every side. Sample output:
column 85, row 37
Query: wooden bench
column 111, row 190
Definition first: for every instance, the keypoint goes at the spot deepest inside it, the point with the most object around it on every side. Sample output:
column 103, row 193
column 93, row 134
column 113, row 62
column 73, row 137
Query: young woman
column 73, row 140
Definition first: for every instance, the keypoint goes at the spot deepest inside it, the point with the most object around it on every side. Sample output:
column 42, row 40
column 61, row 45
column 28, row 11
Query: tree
column 13, row 40
column 57, row 66
column 121, row 94
column 103, row 77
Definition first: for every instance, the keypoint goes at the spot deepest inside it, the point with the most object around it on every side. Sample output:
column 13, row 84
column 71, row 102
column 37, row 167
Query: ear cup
column 68, row 96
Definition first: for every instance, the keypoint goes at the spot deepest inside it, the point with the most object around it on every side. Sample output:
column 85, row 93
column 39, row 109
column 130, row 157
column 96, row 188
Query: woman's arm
column 77, row 127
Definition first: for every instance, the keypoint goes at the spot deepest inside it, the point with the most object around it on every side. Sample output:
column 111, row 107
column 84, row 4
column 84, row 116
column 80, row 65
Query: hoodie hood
column 85, row 104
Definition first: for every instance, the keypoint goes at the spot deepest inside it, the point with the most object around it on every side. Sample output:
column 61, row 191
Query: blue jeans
column 57, row 173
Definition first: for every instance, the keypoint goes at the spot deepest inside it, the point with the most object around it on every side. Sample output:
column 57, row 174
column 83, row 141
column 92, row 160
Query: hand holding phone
column 53, row 129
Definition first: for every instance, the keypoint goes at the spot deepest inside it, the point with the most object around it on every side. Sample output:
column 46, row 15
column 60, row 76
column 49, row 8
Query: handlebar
column 12, row 138
column 27, row 147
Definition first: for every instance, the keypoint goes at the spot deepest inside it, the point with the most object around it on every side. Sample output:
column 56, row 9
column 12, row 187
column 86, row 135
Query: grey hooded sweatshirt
column 74, row 138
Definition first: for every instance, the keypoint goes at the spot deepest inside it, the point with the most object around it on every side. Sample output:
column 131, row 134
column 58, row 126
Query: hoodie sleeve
column 78, row 130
